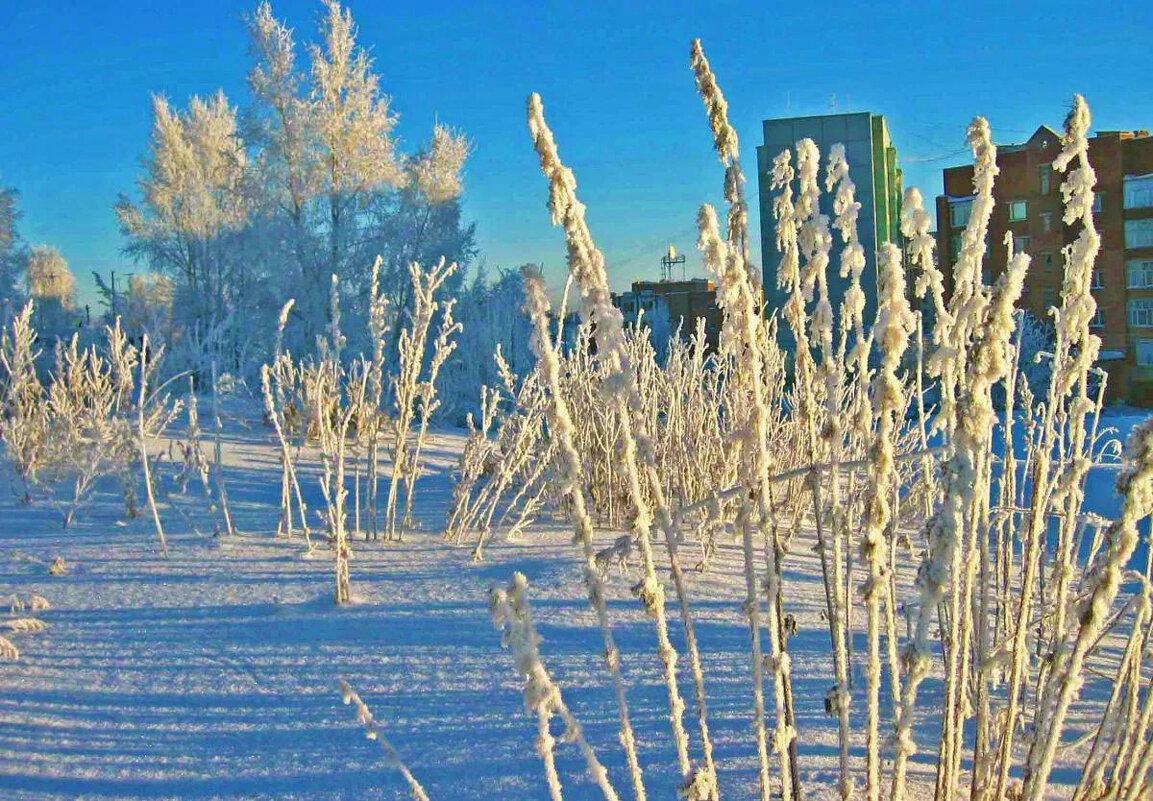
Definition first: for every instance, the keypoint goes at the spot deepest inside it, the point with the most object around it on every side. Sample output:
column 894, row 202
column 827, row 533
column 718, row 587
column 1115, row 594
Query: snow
column 214, row 674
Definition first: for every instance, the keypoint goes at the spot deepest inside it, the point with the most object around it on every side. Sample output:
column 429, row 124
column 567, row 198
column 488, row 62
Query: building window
column 955, row 248
column 1020, row 244
column 1141, row 312
column 1046, row 221
column 959, row 211
column 1017, row 210
column 1140, row 274
column 1098, row 202
column 1098, row 281
column 1047, row 259
column 1098, row 320
column 1049, row 296
column 1139, row 233
column 1046, row 177
column 1139, row 191
column 1145, row 353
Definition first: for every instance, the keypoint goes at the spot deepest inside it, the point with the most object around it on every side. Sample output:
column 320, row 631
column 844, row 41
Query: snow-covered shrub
column 24, row 423
column 342, row 405
column 86, row 422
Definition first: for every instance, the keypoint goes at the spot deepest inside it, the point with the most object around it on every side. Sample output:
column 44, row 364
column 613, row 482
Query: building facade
column 873, row 168
column 1029, row 209
column 680, row 303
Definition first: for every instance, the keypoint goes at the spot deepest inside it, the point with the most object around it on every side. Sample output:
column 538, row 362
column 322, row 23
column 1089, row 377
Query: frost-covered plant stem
column 334, row 422
column 143, row 438
column 587, row 265
column 218, row 457
column 373, row 732
column 740, row 338
column 425, row 285
column 845, row 208
column 289, row 482
column 746, row 338
column 1127, row 678
column 542, row 696
column 377, row 329
column 429, row 403
column 1075, row 351
column 1077, row 310
column 991, row 362
column 894, row 326
column 945, row 529
column 1136, row 488
column 572, row 474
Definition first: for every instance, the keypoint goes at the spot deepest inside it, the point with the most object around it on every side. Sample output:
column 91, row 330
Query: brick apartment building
column 1029, row 206
column 684, row 302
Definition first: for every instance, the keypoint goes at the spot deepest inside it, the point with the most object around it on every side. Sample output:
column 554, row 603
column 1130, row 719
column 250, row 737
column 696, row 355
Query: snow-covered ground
column 213, row 674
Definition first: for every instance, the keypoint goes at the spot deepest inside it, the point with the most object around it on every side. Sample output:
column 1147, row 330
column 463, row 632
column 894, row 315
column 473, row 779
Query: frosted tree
column 52, row 286
column 148, row 305
column 8, row 217
column 280, row 122
column 492, row 315
column 11, row 247
column 436, row 171
column 421, row 222
column 336, row 192
column 193, row 202
column 353, row 125
column 245, row 209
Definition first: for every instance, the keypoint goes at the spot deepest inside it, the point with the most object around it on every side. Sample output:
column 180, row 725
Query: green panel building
column 873, row 168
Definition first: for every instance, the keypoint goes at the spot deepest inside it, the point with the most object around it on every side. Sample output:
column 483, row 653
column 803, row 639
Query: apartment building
column 682, row 303
column 1029, row 208
column 874, row 169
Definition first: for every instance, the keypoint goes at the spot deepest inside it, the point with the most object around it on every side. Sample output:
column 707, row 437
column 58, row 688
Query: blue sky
column 75, row 80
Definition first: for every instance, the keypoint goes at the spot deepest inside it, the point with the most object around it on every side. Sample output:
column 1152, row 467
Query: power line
column 927, row 159
column 647, row 250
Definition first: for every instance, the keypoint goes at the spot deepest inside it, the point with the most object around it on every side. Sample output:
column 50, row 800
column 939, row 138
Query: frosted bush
column 84, row 423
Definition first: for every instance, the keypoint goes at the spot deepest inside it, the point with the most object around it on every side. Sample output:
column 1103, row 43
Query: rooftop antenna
column 668, row 260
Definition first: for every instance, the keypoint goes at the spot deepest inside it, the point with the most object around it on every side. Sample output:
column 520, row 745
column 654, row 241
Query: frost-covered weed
column 372, row 731
column 87, row 421
column 831, row 441
column 408, row 389
column 542, row 696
